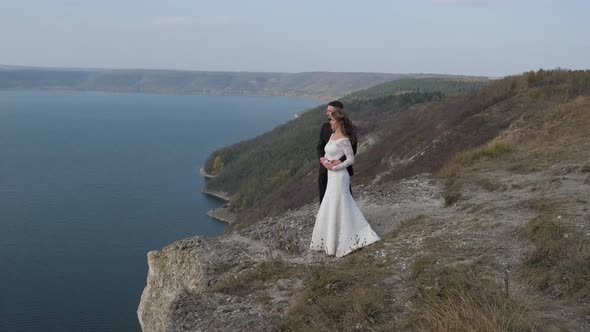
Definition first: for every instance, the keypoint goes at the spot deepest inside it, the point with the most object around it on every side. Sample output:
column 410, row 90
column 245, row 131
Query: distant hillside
column 315, row 85
column 448, row 86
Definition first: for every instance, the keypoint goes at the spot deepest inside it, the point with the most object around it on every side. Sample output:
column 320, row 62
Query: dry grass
column 541, row 139
column 342, row 297
column 253, row 278
column 462, row 289
column 493, row 150
column 264, row 298
column 554, row 135
column 560, row 262
column 465, row 297
column 463, row 163
column 489, row 184
column 452, row 193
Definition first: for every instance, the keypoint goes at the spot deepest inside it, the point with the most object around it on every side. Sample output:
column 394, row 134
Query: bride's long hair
column 348, row 128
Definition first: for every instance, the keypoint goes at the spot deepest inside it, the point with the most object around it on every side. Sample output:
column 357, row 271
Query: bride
column 340, row 227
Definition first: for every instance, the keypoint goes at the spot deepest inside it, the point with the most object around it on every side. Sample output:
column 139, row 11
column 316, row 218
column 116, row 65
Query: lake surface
column 90, row 182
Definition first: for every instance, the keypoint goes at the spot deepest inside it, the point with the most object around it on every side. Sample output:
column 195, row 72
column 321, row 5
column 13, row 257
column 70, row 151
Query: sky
column 467, row 37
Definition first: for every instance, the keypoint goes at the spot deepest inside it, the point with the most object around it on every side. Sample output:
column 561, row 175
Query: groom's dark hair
column 337, row 104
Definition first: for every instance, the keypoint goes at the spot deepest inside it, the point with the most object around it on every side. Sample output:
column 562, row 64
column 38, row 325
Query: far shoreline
column 217, row 194
column 309, row 98
column 205, row 174
column 223, row 212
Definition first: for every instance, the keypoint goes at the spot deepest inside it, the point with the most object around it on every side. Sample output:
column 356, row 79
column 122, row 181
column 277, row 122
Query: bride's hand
column 335, row 162
column 323, row 160
column 329, row 165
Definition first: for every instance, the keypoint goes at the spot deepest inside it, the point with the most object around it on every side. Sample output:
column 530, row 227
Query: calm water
column 90, row 182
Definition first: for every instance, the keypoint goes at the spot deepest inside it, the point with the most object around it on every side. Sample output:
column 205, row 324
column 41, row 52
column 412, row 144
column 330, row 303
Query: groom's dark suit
column 325, row 133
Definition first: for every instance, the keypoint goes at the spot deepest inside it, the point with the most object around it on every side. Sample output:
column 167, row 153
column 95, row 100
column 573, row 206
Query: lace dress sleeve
column 348, row 152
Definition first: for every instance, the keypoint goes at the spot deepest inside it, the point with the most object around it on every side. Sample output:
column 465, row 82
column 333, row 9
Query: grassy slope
column 423, row 137
column 281, row 163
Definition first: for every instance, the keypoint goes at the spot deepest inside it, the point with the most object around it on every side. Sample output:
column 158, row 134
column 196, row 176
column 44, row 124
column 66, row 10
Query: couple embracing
column 340, row 227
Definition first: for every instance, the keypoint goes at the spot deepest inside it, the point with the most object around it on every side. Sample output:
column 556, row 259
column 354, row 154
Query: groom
column 325, row 133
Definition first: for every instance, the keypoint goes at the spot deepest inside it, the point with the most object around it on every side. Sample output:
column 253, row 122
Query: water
column 90, row 182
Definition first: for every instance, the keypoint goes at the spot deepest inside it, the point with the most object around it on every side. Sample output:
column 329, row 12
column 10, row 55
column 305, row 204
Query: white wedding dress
column 340, row 227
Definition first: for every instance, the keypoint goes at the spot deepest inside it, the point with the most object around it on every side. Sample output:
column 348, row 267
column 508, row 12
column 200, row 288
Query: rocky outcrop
column 185, row 279
column 176, row 269
column 223, row 213
column 188, row 268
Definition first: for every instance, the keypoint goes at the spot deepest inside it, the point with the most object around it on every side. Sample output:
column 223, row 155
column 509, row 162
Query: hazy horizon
column 451, row 37
column 237, row 71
